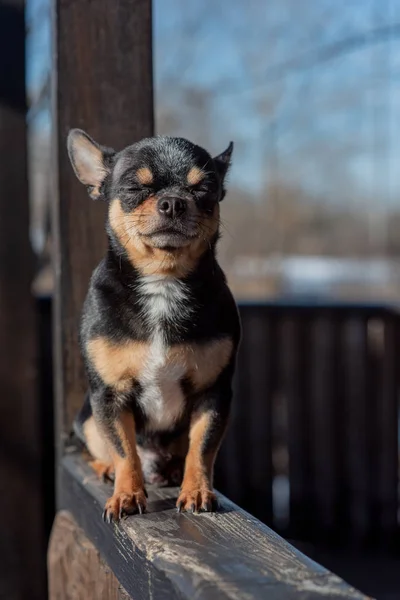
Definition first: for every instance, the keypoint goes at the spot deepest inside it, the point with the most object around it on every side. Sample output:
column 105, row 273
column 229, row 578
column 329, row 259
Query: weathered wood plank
column 76, row 569
column 103, row 62
column 166, row 555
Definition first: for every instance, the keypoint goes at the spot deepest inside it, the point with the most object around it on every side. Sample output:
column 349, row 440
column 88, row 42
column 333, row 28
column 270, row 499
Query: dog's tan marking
column 129, row 483
column 95, row 442
column 144, row 176
column 205, row 362
column 95, row 193
column 119, row 364
column 195, row 175
column 103, row 470
column 148, row 260
column 145, row 210
column 196, row 467
column 197, row 481
column 126, row 431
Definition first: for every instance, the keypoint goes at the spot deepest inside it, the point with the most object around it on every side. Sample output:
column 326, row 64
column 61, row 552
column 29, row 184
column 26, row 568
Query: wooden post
column 103, row 68
column 22, row 565
column 75, row 567
column 103, row 84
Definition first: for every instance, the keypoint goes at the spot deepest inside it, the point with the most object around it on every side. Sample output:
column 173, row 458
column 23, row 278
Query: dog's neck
column 164, row 299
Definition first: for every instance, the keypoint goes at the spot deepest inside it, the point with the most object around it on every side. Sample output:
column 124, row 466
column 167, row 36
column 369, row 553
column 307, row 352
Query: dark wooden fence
column 317, row 405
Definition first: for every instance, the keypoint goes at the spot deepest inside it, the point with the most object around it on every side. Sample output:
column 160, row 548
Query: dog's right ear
column 89, row 160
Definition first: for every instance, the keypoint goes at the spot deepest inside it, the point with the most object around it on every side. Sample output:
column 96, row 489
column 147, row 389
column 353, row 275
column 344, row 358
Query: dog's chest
column 164, row 367
column 161, row 396
column 158, row 364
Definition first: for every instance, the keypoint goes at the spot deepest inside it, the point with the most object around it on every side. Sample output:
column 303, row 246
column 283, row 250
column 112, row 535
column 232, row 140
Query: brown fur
column 195, row 175
column 148, row 260
column 129, row 494
column 144, row 176
column 119, row 364
column 103, row 471
column 196, row 490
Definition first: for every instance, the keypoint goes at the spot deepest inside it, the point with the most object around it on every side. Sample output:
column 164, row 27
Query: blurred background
column 309, row 92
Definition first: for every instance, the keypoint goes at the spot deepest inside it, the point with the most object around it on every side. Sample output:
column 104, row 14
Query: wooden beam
column 22, row 565
column 163, row 554
column 103, row 63
column 76, row 569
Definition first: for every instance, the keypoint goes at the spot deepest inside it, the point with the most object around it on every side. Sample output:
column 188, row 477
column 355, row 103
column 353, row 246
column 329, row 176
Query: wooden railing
column 164, row 554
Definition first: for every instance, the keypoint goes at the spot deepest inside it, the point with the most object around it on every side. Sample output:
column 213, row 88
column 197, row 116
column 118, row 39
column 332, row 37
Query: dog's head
column 163, row 195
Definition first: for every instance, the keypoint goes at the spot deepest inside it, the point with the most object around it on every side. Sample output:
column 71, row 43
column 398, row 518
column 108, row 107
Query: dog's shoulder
column 112, row 304
column 217, row 314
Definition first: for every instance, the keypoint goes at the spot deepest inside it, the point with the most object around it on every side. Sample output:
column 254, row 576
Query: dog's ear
column 89, row 160
column 223, row 161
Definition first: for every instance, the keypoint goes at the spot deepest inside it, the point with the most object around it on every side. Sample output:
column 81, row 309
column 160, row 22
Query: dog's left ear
column 90, row 161
column 223, row 161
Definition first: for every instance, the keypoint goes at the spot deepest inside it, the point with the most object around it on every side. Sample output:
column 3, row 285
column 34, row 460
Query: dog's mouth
column 171, row 237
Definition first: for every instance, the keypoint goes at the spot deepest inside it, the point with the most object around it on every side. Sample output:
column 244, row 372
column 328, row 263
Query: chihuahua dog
column 160, row 328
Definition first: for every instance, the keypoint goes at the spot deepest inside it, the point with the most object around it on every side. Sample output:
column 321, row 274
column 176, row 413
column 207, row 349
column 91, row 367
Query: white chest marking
column 162, row 399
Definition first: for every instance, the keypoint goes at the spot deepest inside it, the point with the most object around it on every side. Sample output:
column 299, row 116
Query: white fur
column 162, row 399
column 163, row 298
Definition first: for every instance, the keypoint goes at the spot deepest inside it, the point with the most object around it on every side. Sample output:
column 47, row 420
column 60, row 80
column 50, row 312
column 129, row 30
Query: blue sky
column 331, row 127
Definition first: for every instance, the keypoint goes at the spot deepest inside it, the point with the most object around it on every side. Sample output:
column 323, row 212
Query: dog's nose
column 171, row 207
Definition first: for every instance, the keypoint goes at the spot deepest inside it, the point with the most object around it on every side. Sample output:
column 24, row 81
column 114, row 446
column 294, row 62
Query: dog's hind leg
column 87, row 432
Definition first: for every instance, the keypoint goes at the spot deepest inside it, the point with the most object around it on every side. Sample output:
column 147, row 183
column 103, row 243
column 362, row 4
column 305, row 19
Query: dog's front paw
column 196, row 498
column 122, row 504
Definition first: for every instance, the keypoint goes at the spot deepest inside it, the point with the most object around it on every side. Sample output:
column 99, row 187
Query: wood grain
column 76, row 569
column 103, row 62
column 164, row 554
